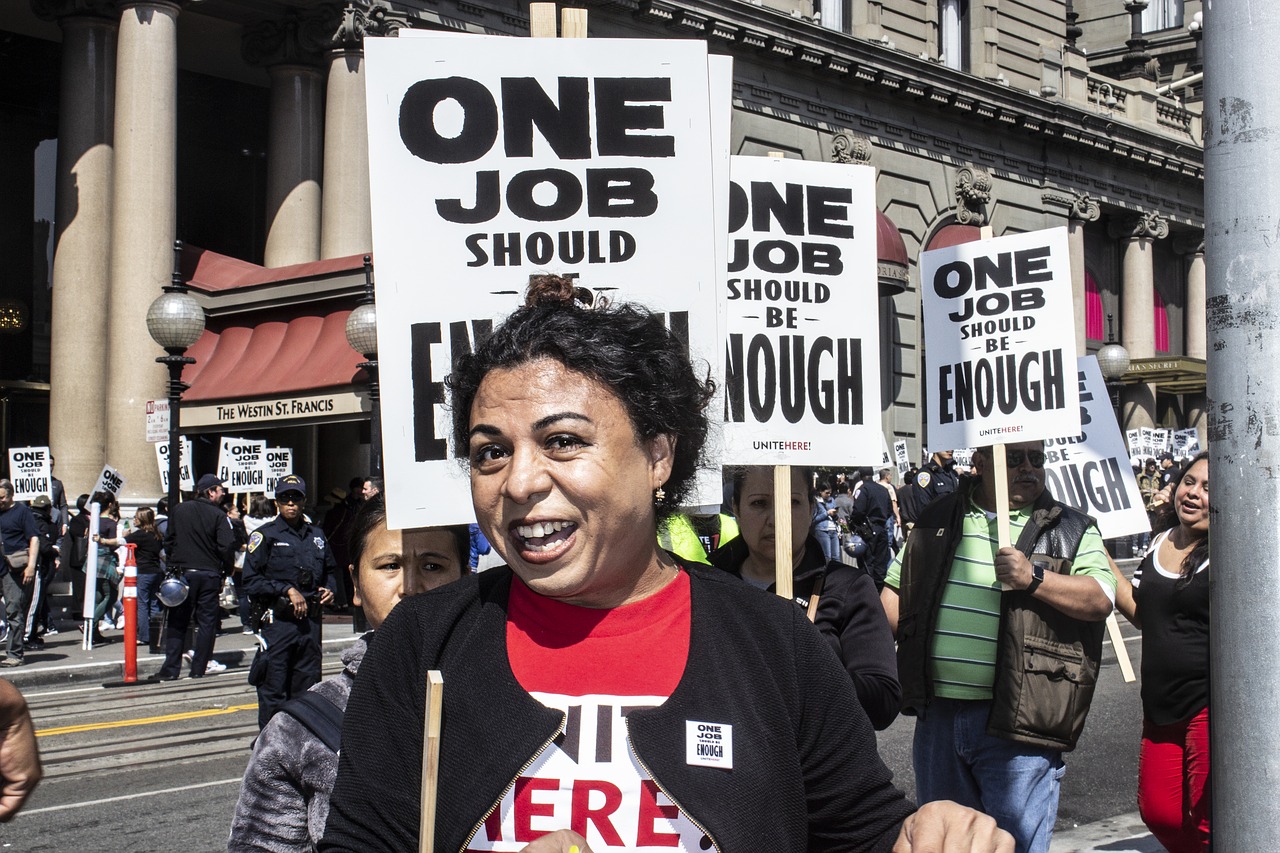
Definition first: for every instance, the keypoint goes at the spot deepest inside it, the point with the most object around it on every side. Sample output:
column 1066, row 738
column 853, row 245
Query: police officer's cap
column 291, row 483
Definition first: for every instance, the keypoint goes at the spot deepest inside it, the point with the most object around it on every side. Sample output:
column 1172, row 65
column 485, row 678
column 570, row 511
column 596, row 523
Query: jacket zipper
column 631, row 745
column 475, row 831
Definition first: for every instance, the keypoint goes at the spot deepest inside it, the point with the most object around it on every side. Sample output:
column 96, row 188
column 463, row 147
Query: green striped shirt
column 963, row 652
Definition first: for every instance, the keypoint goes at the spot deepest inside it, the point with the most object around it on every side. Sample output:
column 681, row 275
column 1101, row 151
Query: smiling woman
column 600, row 694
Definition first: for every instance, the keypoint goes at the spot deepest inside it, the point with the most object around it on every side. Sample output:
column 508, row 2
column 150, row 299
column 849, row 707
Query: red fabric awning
column 273, row 357
column 953, row 235
column 890, row 247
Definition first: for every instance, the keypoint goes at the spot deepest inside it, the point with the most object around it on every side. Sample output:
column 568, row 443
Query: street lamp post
column 362, row 335
column 175, row 321
column 1113, row 361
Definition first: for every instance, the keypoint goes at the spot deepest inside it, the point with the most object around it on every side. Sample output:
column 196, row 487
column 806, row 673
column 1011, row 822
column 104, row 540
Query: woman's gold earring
column 659, row 495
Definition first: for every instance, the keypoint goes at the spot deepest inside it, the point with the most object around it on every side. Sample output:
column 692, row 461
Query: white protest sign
column 185, row 481
column 278, row 462
column 1147, row 441
column 110, row 481
column 902, row 456
column 962, row 457
column 1133, row 438
column 1161, row 439
column 802, row 383
column 1091, row 471
column 241, row 464
column 1000, row 345
column 495, row 158
column 1186, row 443
column 31, row 472
column 157, row 420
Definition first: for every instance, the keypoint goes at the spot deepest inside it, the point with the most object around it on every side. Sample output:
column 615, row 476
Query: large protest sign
column 185, row 481
column 110, row 481
column 1000, row 347
column 242, row 464
column 278, row 462
column 495, row 158
column 30, row 472
column 801, row 378
column 1091, row 471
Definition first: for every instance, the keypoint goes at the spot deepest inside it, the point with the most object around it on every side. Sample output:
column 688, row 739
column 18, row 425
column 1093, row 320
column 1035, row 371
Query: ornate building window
column 953, row 33
column 1161, row 15
column 1161, row 321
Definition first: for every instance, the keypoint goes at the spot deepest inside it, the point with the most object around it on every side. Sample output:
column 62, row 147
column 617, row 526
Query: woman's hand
column 947, row 827
column 560, row 841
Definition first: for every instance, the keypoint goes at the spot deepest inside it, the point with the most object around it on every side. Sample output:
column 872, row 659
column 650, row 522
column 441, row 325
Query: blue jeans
column 955, row 759
column 148, row 604
column 830, row 542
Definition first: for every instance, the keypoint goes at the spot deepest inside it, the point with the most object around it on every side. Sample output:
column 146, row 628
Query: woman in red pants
column 1169, row 602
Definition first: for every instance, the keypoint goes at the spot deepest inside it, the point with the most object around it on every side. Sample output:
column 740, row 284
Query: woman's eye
column 565, row 442
column 487, row 453
column 388, row 567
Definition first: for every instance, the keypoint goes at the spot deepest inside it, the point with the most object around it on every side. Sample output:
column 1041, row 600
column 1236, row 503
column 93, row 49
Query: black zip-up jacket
column 199, row 538
column 806, row 774
column 851, row 618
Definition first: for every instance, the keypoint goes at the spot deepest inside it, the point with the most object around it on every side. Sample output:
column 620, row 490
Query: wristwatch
column 1037, row 577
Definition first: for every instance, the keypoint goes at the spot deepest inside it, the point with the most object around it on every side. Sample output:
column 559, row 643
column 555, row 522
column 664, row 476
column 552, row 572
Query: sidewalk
column 64, row 662
column 1120, row 834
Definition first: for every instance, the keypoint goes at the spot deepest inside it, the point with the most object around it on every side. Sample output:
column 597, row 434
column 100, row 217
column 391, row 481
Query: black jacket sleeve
column 850, row 610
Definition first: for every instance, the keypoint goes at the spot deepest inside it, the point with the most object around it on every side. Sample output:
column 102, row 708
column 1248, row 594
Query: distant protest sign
column 999, row 344
column 802, row 379
column 1091, row 471
column 242, row 464
column 185, row 481
column 110, row 481
column 1162, row 440
column 495, row 158
column 278, row 461
column 31, row 472
column 1186, row 443
column 902, row 457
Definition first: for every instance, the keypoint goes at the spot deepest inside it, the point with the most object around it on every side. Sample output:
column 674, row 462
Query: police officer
column 936, row 479
column 288, row 574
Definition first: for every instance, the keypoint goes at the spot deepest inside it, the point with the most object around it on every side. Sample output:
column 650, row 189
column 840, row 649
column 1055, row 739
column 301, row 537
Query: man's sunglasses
column 290, row 498
column 1015, row 458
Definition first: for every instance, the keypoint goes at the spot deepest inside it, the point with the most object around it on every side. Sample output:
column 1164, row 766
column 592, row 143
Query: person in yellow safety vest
column 692, row 537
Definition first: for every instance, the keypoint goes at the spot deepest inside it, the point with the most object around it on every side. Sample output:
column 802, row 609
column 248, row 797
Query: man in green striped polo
column 999, row 678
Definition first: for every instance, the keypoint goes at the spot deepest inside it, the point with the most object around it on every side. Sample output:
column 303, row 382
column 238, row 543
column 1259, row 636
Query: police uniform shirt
column 281, row 556
column 935, row 481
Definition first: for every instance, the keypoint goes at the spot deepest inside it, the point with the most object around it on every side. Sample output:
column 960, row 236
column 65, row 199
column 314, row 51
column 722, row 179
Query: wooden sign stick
column 1122, row 651
column 999, row 471
column 430, row 760
column 573, row 23
column 782, row 531
column 542, row 20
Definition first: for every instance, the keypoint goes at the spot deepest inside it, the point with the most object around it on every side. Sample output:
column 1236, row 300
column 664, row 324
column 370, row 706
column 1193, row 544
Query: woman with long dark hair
column 148, row 546
column 1169, row 601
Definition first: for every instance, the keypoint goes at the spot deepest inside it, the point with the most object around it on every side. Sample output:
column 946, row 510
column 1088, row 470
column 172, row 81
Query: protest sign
column 1161, row 440
column 157, row 420
column 1091, row 471
column 1148, row 441
column 110, row 481
column 801, row 378
column 31, row 472
column 495, row 158
column 278, row 462
column 962, row 457
column 1000, row 345
column 902, row 457
column 1133, row 440
column 1186, row 443
column 185, row 481
column 241, row 464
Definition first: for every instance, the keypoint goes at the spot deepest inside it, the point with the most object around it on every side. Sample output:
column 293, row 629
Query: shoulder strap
column 319, row 715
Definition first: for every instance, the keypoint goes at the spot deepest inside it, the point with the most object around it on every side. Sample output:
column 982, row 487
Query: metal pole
column 174, row 361
column 1242, row 182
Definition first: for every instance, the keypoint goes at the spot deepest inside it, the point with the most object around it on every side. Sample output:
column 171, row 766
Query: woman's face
column 755, row 513
column 562, row 485
column 399, row 563
column 1191, row 499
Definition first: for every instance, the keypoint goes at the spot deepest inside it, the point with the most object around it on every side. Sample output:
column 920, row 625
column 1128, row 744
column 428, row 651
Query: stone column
column 82, row 246
column 1137, row 308
column 143, row 224
column 292, row 49
column 1084, row 209
column 345, row 227
column 1196, row 317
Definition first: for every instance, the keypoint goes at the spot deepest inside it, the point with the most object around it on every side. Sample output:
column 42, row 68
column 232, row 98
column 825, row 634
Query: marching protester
column 1169, row 602
column 37, row 619
column 595, row 661
column 20, row 547
column 981, row 668
column 840, row 600
column 199, row 544
column 289, row 574
column 148, row 544
column 284, row 800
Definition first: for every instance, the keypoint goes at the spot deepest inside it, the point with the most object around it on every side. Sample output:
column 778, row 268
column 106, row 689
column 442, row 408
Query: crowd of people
column 627, row 679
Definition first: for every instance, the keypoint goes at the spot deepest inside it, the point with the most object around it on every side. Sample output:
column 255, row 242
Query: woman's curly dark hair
column 624, row 347
column 1167, row 519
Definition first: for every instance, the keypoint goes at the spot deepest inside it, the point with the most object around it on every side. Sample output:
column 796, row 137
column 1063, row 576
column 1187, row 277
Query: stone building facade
column 237, row 125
